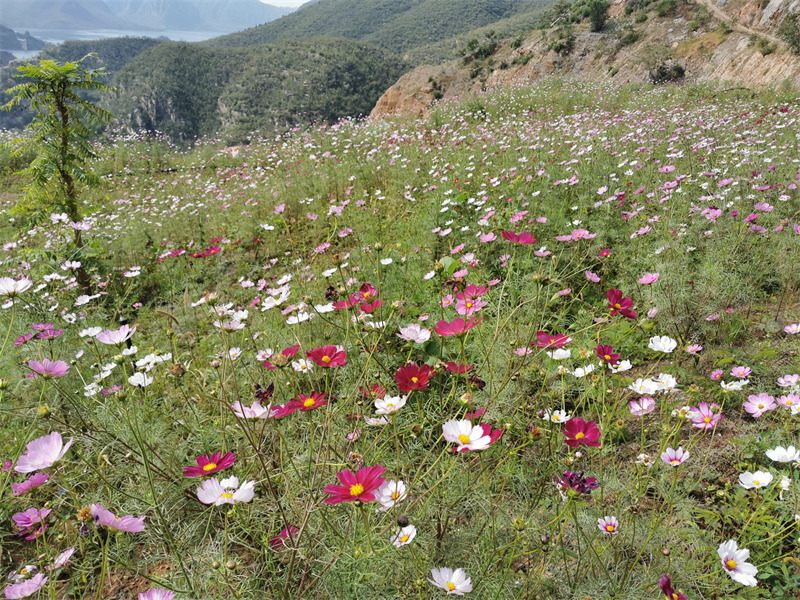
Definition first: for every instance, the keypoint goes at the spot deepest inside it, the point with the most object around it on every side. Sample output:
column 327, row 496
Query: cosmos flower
column 415, row 333
column 606, row 354
column 207, row 465
column 413, row 377
column 545, row 340
column 228, row 491
column 703, row 416
column 608, row 525
column 576, row 483
column 781, row 454
column 580, row 432
column 303, row 403
column 390, row 404
column 648, row 278
column 734, row 561
column 453, row 582
column 455, row 327
column 49, row 369
column 31, row 522
column 666, row 586
column 390, row 493
column 674, row 457
column 468, row 436
column 11, row 288
column 61, row 560
column 756, row 480
column 328, row 356
column 758, row 404
column 518, row 238
column 34, row 481
column 105, row 517
column 662, row 344
column 279, row 541
column 156, row 594
column 358, row 486
column 115, row 337
column 28, row 587
column 644, row 405
column 404, row 536
column 618, row 304
column 42, row 453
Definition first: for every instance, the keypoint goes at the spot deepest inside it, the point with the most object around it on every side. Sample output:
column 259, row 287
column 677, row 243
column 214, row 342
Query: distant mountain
column 58, row 14
column 220, row 16
column 424, row 29
column 13, row 40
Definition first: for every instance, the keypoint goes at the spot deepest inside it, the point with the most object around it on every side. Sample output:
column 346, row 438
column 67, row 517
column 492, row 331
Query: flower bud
column 402, row 521
column 216, row 565
column 44, row 411
column 3, row 383
column 215, row 364
column 231, row 564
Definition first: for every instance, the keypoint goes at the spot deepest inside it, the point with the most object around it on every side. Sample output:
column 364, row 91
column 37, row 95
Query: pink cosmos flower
column 594, row 277
column 115, row 337
column 545, row 340
column 790, row 401
column 716, row 375
column 42, row 453
column 741, row 372
column 62, row 559
column 49, row 369
column 355, row 486
column 648, row 278
column 608, row 525
column 704, row 417
column 34, row 481
column 279, row 541
column 580, row 432
column 788, row 380
column 757, row 405
column 328, row 356
column 644, row 405
column 156, row 594
column 105, row 517
column 694, row 349
column 455, row 327
column 26, row 588
column 32, row 522
column 206, row 465
column 666, row 586
column 793, row 328
column 674, row 457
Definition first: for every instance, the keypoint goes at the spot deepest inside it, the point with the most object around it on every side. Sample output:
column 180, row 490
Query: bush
column 667, row 72
column 564, row 43
column 666, row 7
column 641, row 18
column 789, row 32
column 598, row 14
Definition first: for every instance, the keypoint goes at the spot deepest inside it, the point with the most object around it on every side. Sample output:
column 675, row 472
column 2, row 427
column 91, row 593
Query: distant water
column 58, row 36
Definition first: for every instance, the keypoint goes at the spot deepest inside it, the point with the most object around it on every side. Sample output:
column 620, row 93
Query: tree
column 790, row 33
column 598, row 14
column 61, row 134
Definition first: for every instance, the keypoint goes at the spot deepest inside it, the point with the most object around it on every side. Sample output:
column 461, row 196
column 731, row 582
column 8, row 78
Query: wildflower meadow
column 541, row 344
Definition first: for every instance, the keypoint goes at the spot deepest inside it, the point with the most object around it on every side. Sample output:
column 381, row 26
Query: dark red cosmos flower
column 355, row 486
column 458, row 368
column 413, row 377
column 487, row 432
column 279, row 541
column 366, row 298
column 455, row 327
column 619, row 304
column 370, row 307
column 302, row 403
column 376, row 391
column 666, row 586
column 328, row 356
column 545, row 340
column 580, row 432
column 607, row 354
column 206, row 465
column 576, row 482
column 518, row 238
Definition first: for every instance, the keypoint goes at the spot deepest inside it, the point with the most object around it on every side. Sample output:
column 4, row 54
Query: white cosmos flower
column 140, row 380
column 734, row 561
column 302, row 366
column 559, row 353
column 465, row 435
column 453, row 582
column 556, row 416
column 414, row 333
column 756, row 480
column 662, row 343
column 621, row 366
column 781, row 454
column 583, row 371
column 404, row 536
column 227, row 491
column 10, row 287
column 734, row 386
column 390, row 493
column 645, row 387
column 390, row 404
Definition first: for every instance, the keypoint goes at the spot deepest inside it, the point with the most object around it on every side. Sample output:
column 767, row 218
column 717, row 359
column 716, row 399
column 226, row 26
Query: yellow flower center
column 404, row 539
column 674, row 462
column 226, row 495
column 389, row 405
column 617, row 306
column 464, row 439
column 469, row 304
column 415, row 380
column 760, row 406
column 607, row 357
column 395, row 495
column 579, row 435
column 356, row 490
column 326, row 359
column 707, row 420
column 610, row 528
column 674, row 596
column 756, row 482
column 309, row 403
column 556, row 418
column 730, row 564
column 209, row 467
column 451, row 586
column 366, row 295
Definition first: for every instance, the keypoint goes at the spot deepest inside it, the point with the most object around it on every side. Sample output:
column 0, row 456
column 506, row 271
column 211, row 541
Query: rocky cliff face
column 708, row 53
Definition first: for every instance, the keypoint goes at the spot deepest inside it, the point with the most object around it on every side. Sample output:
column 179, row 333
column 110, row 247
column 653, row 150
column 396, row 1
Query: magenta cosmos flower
column 115, row 337
column 156, row 594
column 105, row 517
column 518, row 238
column 279, row 541
column 456, row 327
column 704, row 417
column 674, row 457
column 666, row 586
column 545, row 340
column 606, row 354
column 31, row 522
column 34, row 481
column 608, row 525
column 206, row 465
column 26, row 588
column 303, row 403
column 356, row 486
column 42, row 453
column 413, row 377
column 328, row 356
column 618, row 304
column 580, row 432
column 49, row 369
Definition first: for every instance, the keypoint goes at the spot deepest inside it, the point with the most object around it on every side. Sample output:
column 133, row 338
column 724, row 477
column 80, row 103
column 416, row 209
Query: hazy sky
column 284, row 2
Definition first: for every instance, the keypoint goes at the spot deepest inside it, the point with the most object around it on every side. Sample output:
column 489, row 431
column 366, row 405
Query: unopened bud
column 215, row 364
column 231, row 564
column 402, row 521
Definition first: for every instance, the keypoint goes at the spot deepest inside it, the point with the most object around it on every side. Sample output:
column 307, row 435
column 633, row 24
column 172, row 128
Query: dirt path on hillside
column 725, row 18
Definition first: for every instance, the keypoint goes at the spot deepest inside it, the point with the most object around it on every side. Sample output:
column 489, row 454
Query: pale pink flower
column 115, row 337
column 648, row 278
column 42, row 453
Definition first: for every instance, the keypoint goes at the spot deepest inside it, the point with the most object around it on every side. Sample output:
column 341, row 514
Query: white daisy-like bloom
column 414, row 333
column 645, row 459
column 375, row 421
column 386, row 261
column 324, row 308
column 390, row 404
column 232, row 325
column 621, row 366
column 782, row 455
column 429, row 275
column 734, row 386
column 559, row 353
column 234, row 353
column 90, row 332
column 465, row 435
column 298, row 318
column 666, row 382
column 556, row 416
column 785, row 484
column 240, row 315
column 583, row 371
column 302, row 365
column 390, row 493
column 734, row 561
column 756, row 480
column 644, row 387
column 140, row 380
column 263, row 355
column 453, row 582
column 404, row 536
column 133, row 350
column 662, row 343
column 329, row 272
column 11, row 287
column 227, row 491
